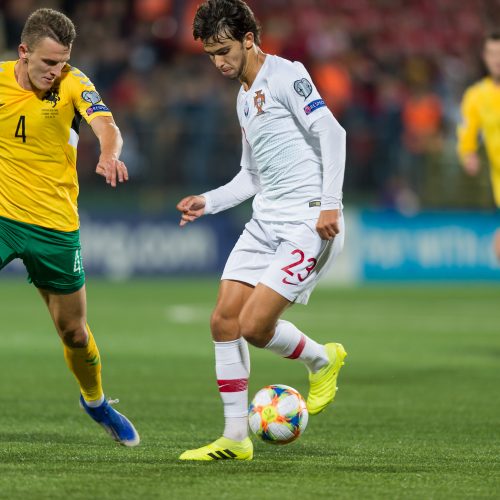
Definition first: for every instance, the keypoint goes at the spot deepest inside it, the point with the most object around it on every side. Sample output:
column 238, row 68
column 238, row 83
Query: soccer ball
column 278, row 414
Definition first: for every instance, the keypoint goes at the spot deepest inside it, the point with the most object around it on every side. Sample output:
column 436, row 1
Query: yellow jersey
column 481, row 113
column 38, row 141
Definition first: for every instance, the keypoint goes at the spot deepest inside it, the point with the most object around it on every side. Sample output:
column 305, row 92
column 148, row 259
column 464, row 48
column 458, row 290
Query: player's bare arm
column 328, row 224
column 192, row 207
column 110, row 140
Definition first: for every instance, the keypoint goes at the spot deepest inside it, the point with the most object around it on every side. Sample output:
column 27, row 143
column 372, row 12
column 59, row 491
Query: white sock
column 245, row 354
column 232, row 378
column 95, row 403
column 289, row 342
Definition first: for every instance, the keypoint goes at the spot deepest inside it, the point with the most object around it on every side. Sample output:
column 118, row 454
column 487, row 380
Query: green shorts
column 52, row 258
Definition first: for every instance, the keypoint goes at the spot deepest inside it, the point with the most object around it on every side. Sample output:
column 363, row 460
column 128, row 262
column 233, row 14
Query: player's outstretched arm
column 110, row 140
column 192, row 207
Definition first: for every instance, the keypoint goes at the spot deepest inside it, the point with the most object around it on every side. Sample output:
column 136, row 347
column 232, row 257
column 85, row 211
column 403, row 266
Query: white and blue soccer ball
column 278, row 414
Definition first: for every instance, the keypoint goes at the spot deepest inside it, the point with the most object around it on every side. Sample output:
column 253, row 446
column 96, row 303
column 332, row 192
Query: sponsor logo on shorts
column 314, row 105
column 96, row 108
column 314, row 203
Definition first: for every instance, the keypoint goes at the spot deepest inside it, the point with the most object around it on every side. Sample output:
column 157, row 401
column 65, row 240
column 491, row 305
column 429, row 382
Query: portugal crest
column 259, row 100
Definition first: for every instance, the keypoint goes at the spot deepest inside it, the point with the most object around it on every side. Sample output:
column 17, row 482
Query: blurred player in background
column 293, row 163
column 481, row 113
column 42, row 101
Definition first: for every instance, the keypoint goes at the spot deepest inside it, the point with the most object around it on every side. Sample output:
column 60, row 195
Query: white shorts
column 288, row 257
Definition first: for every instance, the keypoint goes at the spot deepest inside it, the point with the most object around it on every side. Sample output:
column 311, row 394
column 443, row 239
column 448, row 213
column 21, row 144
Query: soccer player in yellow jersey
column 481, row 113
column 42, row 101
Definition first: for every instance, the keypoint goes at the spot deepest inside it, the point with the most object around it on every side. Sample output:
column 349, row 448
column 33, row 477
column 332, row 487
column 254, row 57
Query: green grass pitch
column 417, row 414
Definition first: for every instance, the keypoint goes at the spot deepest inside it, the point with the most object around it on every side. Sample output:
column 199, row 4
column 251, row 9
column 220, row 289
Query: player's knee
column 73, row 334
column 224, row 327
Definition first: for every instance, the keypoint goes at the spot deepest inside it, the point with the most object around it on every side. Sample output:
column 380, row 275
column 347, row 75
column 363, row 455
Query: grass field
column 417, row 414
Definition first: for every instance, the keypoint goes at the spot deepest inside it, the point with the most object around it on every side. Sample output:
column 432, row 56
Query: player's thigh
column 53, row 260
column 300, row 260
column 230, row 301
column 252, row 253
column 260, row 314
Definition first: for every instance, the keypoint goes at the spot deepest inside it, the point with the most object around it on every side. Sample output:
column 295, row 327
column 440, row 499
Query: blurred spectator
column 392, row 71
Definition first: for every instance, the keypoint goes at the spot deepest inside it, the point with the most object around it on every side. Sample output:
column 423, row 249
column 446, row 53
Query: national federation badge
column 259, row 100
column 91, row 96
column 303, row 87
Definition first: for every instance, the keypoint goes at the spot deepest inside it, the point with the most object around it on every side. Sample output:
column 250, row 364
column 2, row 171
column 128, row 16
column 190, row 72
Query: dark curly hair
column 49, row 23
column 222, row 19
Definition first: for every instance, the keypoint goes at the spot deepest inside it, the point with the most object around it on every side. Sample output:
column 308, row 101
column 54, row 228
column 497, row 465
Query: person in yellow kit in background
column 481, row 114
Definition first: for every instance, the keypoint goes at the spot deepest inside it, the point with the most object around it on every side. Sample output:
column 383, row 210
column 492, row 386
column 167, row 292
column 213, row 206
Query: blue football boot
column 119, row 427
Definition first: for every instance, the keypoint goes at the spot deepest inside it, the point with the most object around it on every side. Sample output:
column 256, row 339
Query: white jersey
column 276, row 114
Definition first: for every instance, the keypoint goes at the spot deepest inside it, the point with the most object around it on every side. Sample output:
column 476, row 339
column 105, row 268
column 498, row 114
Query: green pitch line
column 416, row 416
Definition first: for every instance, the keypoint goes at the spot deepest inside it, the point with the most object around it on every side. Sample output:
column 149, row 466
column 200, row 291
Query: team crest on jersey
column 303, row 87
column 259, row 100
column 246, row 109
column 52, row 96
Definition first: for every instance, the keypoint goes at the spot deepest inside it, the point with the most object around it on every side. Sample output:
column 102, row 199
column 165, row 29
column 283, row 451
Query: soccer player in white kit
column 293, row 163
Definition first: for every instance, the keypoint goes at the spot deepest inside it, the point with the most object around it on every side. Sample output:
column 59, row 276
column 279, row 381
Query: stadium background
column 417, row 413
column 392, row 71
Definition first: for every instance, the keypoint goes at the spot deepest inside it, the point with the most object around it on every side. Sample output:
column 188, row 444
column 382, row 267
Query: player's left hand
column 112, row 169
column 328, row 224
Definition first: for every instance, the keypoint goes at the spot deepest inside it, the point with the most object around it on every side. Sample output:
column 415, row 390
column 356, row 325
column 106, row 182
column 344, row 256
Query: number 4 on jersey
column 21, row 128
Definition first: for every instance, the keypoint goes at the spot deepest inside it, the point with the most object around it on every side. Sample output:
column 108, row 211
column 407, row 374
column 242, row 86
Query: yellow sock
column 85, row 363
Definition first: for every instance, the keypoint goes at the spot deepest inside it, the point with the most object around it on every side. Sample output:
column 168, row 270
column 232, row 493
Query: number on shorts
column 78, row 266
column 301, row 259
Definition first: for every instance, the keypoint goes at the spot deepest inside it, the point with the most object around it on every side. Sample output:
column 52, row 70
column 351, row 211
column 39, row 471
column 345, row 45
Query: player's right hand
column 471, row 164
column 191, row 207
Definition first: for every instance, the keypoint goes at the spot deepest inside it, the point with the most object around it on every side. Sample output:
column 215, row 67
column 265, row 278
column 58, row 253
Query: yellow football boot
column 222, row 449
column 323, row 383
